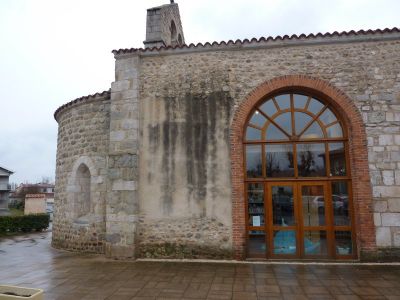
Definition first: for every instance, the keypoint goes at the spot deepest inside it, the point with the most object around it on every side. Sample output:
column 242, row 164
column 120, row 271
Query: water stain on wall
column 194, row 128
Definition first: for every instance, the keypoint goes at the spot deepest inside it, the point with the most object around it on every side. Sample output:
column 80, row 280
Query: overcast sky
column 53, row 51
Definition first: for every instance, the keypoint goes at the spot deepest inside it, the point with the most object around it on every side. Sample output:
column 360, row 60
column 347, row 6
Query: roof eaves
column 6, row 170
column 81, row 99
column 260, row 40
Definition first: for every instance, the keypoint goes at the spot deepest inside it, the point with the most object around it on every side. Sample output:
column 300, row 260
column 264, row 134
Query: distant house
column 4, row 190
column 46, row 189
column 35, row 204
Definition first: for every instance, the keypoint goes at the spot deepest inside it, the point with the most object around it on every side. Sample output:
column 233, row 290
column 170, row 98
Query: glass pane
column 253, row 161
column 285, row 122
column 256, row 245
column 337, row 159
column 315, row 243
column 258, row 119
column 268, row 108
column 311, row 160
column 283, row 101
column 334, row 131
column 255, row 200
column 274, row 133
column 279, row 160
column 253, row 134
column 343, row 242
column 327, row 117
column 300, row 101
column 300, row 121
column 313, row 132
column 340, row 203
column 313, row 205
column 315, row 106
column 283, row 205
column 284, row 242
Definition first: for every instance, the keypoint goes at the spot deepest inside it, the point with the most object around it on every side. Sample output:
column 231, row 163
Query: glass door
column 282, row 220
column 314, row 209
column 299, row 220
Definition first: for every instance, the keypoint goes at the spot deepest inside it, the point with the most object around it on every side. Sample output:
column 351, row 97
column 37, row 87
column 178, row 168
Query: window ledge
column 82, row 221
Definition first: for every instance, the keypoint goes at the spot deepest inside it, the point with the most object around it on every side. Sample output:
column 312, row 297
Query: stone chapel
column 272, row 148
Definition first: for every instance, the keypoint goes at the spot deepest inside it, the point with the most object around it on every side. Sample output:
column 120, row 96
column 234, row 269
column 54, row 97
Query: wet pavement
column 28, row 260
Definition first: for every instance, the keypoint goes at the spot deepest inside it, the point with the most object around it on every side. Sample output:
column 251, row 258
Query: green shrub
column 27, row 223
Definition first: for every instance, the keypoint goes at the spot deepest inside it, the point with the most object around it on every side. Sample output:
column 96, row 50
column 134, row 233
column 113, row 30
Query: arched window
column 82, row 193
column 297, row 179
column 294, row 132
column 173, row 31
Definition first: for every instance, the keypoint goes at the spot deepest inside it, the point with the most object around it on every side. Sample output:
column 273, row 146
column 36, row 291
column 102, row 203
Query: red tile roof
column 264, row 39
column 82, row 99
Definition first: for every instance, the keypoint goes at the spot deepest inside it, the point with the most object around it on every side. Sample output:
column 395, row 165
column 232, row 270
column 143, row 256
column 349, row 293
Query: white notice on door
column 256, row 221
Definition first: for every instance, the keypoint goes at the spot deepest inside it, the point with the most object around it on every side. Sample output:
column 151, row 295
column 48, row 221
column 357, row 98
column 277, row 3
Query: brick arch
column 362, row 194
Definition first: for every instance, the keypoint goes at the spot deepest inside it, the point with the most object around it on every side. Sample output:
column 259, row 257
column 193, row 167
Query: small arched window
column 173, row 31
column 82, row 193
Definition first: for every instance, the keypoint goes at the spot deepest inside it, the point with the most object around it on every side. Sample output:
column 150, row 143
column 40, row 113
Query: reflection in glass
column 340, row 203
column 300, row 121
column 300, row 101
column 283, row 205
column 313, row 132
column 315, row 106
column 258, row 119
column 274, row 133
column 315, row 243
column 268, row 108
column 327, row 117
column 337, row 159
column 253, row 161
column 285, row 122
column 284, row 242
column 255, row 200
column 253, row 134
column 256, row 245
column 279, row 160
column 283, row 101
column 313, row 200
column 334, row 131
column 343, row 243
column 311, row 160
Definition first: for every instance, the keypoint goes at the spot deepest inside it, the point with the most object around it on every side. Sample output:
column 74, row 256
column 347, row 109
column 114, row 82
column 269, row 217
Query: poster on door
column 256, row 221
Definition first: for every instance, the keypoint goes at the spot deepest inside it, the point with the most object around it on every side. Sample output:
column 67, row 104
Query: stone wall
column 178, row 89
column 158, row 148
column 83, row 136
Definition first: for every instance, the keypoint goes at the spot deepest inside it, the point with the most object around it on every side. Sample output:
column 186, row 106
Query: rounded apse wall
column 80, row 193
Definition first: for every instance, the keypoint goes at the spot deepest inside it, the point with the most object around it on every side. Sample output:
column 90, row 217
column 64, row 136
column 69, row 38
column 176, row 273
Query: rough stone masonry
column 157, row 144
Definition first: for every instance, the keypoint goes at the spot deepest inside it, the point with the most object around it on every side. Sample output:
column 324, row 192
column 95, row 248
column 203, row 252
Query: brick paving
column 30, row 261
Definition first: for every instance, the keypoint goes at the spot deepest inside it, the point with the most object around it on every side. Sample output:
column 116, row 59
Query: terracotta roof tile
column 81, row 99
column 262, row 39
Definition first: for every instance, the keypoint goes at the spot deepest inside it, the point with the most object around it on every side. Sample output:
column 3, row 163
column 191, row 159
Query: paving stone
column 64, row 275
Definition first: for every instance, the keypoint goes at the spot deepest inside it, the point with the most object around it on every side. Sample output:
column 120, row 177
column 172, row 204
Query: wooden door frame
column 299, row 227
column 328, row 227
column 270, row 228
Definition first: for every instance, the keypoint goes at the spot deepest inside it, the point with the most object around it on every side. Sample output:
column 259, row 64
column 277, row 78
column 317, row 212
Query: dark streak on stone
column 196, row 128
column 154, row 142
column 170, row 132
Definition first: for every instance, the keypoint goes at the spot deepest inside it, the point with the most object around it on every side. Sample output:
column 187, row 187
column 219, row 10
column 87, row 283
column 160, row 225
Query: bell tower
column 164, row 26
